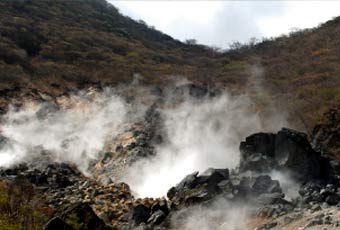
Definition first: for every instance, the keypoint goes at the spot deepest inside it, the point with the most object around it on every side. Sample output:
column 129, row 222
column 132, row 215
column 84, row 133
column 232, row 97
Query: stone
column 57, row 224
column 264, row 184
column 272, row 198
column 286, row 151
column 140, row 214
column 267, row 226
column 157, row 218
column 294, row 153
column 332, row 199
column 188, row 182
column 161, row 205
column 81, row 215
column 212, row 177
column 263, row 143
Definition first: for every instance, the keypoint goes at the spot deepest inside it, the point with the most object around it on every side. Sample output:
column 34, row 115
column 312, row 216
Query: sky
column 220, row 23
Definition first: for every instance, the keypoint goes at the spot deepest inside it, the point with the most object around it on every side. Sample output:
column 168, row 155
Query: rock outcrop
column 326, row 136
column 287, row 151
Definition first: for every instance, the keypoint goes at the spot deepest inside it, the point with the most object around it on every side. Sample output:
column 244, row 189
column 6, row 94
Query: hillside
column 116, row 125
column 58, row 46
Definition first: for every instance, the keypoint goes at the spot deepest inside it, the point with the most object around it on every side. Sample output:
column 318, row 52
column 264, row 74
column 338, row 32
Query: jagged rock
column 267, row 226
column 161, row 205
column 319, row 193
column 194, row 188
column 257, row 153
column 188, row 182
column 332, row 199
column 36, row 177
column 287, row 151
column 215, row 183
column 57, row 224
column 258, row 163
column 140, row 214
column 294, row 153
column 326, row 136
column 81, row 216
column 135, row 143
column 214, row 176
column 263, row 143
column 264, row 184
column 271, row 198
column 242, row 187
column 157, row 218
column 14, row 171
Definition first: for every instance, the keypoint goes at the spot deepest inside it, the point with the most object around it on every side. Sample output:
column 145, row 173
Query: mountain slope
column 57, row 46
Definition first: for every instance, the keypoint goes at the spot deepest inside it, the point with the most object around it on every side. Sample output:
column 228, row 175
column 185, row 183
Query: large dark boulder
column 161, row 205
column 264, row 184
column 157, row 218
column 326, row 139
column 257, row 153
column 188, row 182
column 196, row 188
column 253, row 187
column 81, row 216
column 294, row 153
column 212, row 177
column 287, row 151
column 57, row 224
column 259, row 143
column 140, row 214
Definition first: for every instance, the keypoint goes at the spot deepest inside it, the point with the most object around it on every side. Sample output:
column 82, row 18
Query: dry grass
column 64, row 45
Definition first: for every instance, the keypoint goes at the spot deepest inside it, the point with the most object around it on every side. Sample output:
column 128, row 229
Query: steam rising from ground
column 221, row 215
column 201, row 134
column 289, row 187
column 75, row 133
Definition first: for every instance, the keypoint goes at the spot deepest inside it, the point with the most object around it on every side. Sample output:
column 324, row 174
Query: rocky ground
column 99, row 201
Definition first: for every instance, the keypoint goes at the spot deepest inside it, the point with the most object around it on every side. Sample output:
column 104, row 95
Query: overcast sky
column 218, row 23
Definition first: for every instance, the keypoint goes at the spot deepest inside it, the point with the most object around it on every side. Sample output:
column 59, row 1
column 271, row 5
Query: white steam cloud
column 75, row 133
column 289, row 186
column 200, row 135
column 221, row 215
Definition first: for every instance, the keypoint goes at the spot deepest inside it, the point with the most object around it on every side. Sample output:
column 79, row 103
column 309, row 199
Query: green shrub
column 20, row 206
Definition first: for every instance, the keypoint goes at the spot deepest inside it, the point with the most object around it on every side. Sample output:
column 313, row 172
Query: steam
column 289, row 186
column 222, row 215
column 201, row 134
column 273, row 110
column 75, row 133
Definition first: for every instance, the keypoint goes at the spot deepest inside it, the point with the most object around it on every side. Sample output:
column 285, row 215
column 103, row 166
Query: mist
column 200, row 134
column 221, row 214
column 75, row 132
